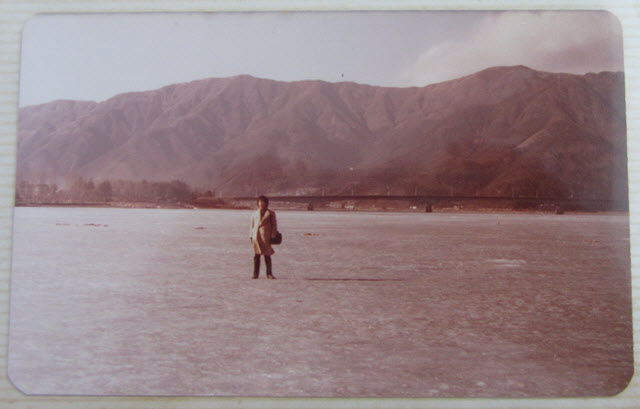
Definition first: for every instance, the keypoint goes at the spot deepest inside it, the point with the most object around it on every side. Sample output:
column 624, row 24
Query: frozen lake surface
column 160, row 302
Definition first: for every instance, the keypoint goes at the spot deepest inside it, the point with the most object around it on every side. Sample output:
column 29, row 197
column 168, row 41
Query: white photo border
column 15, row 13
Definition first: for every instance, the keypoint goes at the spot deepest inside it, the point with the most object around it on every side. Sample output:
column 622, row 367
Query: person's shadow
column 354, row 279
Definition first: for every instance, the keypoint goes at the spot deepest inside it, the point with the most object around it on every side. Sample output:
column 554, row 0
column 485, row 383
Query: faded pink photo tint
column 451, row 190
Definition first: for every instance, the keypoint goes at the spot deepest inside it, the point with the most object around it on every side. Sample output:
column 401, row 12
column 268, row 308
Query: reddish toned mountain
column 503, row 131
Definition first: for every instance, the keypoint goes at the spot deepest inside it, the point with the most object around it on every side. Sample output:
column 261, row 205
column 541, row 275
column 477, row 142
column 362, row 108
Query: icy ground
column 160, row 302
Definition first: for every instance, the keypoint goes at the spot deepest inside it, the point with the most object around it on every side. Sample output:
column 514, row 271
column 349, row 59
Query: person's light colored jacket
column 262, row 230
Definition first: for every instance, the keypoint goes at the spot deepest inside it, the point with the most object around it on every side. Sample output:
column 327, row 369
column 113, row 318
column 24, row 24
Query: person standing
column 263, row 229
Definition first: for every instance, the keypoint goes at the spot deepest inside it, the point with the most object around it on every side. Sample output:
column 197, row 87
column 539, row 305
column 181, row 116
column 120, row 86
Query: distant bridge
column 427, row 201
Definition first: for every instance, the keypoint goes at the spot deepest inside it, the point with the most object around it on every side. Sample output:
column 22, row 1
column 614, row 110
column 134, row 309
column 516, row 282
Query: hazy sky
column 94, row 57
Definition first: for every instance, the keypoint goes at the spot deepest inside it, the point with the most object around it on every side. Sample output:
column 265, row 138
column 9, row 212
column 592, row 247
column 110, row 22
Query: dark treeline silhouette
column 176, row 193
column 87, row 192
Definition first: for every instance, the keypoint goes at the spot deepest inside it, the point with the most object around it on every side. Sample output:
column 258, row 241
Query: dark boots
column 256, row 266
column 267, row 261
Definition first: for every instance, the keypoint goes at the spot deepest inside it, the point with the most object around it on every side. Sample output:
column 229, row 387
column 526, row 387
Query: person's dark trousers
column 256, row 265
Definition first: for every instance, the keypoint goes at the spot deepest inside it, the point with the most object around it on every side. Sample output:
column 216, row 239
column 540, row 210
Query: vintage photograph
column 395, row 204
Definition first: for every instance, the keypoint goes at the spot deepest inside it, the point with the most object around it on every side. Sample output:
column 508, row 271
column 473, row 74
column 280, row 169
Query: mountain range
column 504, row 131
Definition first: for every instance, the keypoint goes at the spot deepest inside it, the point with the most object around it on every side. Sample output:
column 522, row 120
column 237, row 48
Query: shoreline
column 447, row 210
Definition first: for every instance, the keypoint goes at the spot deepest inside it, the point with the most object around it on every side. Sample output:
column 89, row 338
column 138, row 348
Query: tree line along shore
column 118, row 193
column 178, row 194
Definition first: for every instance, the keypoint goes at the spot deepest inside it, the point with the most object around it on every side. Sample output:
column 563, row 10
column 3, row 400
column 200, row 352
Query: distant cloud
column 556, row 41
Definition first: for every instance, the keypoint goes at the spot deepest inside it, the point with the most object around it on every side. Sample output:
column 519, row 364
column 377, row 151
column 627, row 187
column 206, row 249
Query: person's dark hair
column 264, row 199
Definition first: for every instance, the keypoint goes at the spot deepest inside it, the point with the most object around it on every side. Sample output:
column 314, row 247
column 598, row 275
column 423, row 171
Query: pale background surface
column 13, row 15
